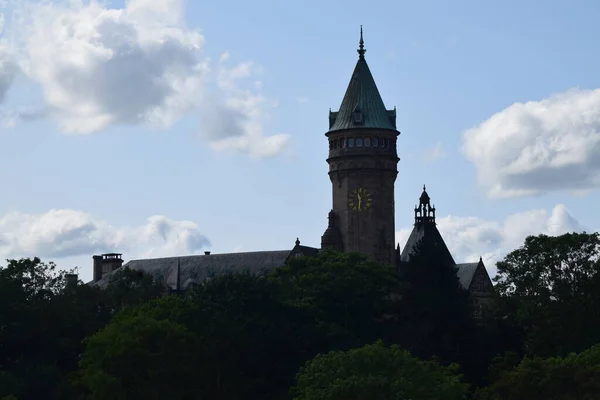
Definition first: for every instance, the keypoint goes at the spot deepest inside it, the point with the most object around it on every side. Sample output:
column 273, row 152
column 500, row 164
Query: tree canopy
column 377, row 372
column 309, row 325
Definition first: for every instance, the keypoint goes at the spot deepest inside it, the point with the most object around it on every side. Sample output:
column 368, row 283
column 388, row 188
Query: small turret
column 424, row 213
column 332, row 239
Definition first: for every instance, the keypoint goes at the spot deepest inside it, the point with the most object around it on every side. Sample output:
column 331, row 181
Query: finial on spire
column 361, row 46
column 424, row 187
column 297, row 241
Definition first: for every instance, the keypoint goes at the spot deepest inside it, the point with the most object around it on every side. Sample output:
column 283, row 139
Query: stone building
column 362, row 163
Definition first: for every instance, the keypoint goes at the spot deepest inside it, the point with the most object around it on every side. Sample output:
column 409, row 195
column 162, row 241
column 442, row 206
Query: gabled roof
column 427, row 232
column 362, row 96
column 465, row 273
column 197, row 268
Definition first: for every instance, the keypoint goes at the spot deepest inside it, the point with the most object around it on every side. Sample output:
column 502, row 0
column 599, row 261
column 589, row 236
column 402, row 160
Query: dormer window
column 358, row 117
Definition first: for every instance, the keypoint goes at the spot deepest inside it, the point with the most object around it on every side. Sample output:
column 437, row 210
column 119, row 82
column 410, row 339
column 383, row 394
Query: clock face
column 360, row 200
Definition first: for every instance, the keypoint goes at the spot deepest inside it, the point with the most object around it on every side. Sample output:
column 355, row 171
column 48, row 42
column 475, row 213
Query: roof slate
column 427, row 231
column 465, row 273
column 362, row 94
column 197, row 268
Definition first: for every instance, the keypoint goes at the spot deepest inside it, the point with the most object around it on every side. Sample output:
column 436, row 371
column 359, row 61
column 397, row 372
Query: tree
column 549, row 287
column 41, row 328
column 255, row 343
column 353, row 300
column 376, row 372
column 128, row 287
column 574, row 377
column 141, row 357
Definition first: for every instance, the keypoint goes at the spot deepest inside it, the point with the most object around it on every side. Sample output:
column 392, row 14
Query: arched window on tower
column 359, row 142
column 375, row 142
column 350, row 142
column 367, row 142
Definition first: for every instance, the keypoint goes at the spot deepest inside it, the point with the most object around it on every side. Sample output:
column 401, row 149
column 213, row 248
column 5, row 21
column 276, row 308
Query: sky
column 163, row 127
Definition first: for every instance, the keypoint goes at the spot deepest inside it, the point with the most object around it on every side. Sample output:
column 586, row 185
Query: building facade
column 363, row 166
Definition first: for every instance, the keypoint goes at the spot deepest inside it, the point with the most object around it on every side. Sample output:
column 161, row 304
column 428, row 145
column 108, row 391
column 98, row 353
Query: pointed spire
column 362, row 106
column 297, row 242
column 361, row 46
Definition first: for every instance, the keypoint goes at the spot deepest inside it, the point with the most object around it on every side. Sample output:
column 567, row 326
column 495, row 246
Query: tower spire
column 425, row 212
column 361, row 46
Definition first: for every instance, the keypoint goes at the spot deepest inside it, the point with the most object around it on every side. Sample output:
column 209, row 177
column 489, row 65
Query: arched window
column 350, row 142
column 375, row 142
column 367, row 142
column 359, row 142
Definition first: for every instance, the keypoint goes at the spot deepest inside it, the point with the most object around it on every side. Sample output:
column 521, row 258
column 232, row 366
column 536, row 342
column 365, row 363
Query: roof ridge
column 211, row 255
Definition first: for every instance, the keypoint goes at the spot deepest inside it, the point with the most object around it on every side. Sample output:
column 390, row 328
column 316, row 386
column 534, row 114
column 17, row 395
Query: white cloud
column 539, row 146
column 99, row 66
column 66, row 233
column 8, row 66
column 132, row 65
column 238, row 114
column 436, row 153
column 469, row 238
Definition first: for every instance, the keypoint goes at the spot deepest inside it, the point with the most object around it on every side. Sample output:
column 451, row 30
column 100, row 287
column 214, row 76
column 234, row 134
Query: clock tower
column 362, row 169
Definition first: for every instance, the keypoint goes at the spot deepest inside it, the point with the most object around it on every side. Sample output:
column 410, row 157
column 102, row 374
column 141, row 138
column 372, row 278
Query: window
column 358, row 117
column 359, row 142
column 351, row 142
column 381, row 142
column 367, row 142
column 344, row 144
column 375, row 142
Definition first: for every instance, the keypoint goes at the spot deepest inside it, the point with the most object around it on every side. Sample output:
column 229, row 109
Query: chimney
column 105, row 264
column 97, row 268
column 207, row 253
column 71, row 280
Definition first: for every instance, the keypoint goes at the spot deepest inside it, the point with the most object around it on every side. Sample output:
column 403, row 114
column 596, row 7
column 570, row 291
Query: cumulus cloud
column 64, row 233
column 539, row 146
column 234, row 116
column 99, row 66
column 469, row 238
column 8, row 65
column 132, row 65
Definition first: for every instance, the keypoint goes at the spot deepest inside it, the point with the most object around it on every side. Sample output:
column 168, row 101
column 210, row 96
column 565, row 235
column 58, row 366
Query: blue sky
column 159, row 128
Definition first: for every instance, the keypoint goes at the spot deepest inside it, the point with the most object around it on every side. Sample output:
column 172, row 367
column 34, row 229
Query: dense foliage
column 377, row 372
column 328, row 327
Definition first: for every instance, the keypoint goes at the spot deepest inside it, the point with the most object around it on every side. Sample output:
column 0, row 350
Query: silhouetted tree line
column 333, row 327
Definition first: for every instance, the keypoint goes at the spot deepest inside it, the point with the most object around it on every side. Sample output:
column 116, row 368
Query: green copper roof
column 362, row 106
